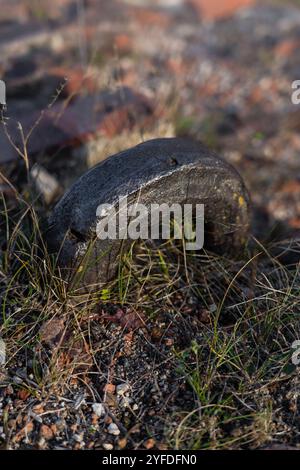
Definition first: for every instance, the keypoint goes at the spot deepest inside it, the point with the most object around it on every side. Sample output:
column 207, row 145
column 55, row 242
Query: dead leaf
column 52, row 331
column 128, row 319
column 109, row 388
column 149, row 443
column 23, row 394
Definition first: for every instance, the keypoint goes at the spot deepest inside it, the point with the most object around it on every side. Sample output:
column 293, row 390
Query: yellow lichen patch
column 241, row 201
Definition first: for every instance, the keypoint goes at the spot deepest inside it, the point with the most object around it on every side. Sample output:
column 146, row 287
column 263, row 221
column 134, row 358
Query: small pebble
column 125, row 403
column 46, row 184
column 122, row 388
column 78, row 437
column 98, row 409
column 107, row 446
column 17, row 380
column 113, row 429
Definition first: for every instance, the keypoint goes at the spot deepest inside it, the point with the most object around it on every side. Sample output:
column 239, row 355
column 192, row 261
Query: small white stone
column 98, row 409
column 46, row 184
column 57, row 43
column 135, row 407
column 125, row 402
column 41, row 442
column 108, row 446
column 122, row 388
column 78, row 437
column 113, row 429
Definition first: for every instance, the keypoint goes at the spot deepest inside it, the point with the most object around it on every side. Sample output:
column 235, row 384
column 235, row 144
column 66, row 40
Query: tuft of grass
column 231, row 323
column 234, row 361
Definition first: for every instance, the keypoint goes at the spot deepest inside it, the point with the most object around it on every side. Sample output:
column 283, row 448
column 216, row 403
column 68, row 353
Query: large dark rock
column 161, row 170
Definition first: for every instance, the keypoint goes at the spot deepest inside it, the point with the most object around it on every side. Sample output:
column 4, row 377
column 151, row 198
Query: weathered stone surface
column 161, row 170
